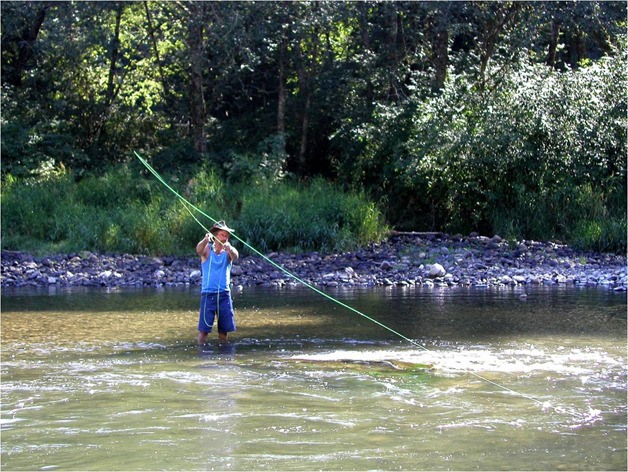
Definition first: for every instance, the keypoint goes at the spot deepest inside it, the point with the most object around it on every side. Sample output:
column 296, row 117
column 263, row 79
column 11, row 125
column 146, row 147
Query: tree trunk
column 553, row 45
column 494, row 29
column 26, row 43
column 282, row 91
column 440, row 47
column 305, row 73
column 115, row 52
column 151, row 31
column 305, row 123
column 198, row 110
column 392, row 52
column 575, row 48
column 113, row 86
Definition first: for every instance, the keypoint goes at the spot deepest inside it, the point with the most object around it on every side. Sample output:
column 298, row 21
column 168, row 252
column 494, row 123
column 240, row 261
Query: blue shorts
column 213, row 304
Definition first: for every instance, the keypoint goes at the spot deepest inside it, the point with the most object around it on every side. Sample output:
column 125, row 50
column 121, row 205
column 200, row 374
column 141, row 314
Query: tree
column 374, row 95
column 19, row 35
column 196, row 13
column 438, row 21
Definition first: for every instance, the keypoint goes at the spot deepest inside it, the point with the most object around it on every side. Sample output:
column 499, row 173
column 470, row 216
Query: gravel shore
column 409, row 259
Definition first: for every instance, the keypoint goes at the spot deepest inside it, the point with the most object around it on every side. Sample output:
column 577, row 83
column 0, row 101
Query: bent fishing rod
column 189, row 207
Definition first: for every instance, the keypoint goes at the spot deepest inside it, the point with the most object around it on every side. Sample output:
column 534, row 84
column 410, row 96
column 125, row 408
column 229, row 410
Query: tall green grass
column 123, row 212
column 317, row 216
column 585, row 217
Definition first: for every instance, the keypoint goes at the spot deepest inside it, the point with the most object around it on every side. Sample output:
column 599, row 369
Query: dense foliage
column 497, row 117
column 543, row 157
column 123, row 212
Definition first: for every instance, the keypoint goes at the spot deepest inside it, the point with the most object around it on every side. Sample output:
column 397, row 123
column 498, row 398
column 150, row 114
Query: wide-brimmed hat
column 220, row 226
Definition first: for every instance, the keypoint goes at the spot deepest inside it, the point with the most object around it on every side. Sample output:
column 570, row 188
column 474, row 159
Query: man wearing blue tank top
column 216, row 261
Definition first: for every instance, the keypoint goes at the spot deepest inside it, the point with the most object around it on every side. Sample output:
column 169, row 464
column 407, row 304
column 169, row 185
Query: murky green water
column 95, row 380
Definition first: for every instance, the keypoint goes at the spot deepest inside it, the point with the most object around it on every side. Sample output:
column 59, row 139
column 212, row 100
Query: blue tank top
column 216, row 272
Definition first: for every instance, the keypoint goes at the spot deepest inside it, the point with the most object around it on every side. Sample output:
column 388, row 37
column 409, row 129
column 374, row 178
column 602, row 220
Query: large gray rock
column 436, row 270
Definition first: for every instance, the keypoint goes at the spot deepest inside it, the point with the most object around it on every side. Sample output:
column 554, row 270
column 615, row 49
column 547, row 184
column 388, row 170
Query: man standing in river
column 216, row 261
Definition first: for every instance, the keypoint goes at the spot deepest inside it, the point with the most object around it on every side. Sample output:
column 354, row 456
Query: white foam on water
column 482, row 359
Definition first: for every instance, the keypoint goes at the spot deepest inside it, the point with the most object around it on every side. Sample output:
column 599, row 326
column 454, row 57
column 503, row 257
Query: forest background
column 312, row 125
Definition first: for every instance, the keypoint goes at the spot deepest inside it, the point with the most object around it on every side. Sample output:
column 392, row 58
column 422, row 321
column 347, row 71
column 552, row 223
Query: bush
column 38, row 149
column 317, row 216
column 119, row 212
column 540, row 156
column 36, row 210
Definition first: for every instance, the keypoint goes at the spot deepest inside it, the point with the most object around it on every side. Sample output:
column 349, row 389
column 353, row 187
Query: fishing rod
column 189, row 207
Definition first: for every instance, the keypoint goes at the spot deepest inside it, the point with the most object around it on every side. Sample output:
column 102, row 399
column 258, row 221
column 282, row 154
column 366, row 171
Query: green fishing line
column 189, row 207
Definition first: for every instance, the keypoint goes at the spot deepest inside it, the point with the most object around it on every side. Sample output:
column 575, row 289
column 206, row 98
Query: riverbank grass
column 124, row 212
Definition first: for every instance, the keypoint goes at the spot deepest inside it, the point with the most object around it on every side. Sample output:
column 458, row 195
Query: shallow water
column 97, row 380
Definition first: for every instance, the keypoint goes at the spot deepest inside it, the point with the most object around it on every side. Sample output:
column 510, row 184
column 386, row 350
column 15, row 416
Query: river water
column 486, row 380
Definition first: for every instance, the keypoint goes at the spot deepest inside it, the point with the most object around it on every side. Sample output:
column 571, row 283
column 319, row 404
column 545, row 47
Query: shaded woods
column 504, row 118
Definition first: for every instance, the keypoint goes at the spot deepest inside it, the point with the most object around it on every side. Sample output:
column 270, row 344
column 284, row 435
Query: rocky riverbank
column 430, row 260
